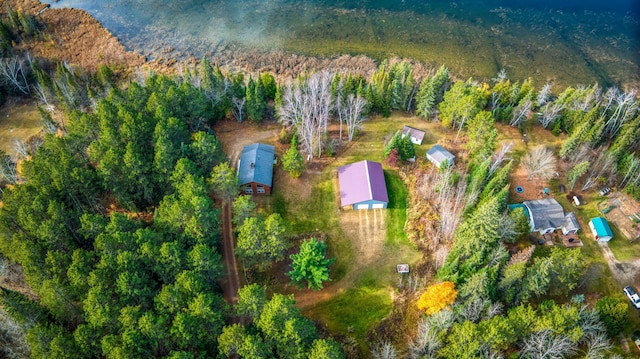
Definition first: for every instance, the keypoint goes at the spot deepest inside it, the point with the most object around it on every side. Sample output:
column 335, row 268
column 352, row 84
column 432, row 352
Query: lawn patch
column 18, row 121
column 353, row 312
column 397, row 210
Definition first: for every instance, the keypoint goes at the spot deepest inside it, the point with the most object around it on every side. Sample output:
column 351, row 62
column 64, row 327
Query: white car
column 633, row 296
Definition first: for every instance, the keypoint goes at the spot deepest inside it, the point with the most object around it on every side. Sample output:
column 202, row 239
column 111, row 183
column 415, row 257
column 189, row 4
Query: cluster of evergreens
column 110, row 283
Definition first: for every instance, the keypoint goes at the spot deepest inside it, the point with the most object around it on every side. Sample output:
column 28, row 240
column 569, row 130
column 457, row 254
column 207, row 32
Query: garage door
column 362, row 206
column 378, row 205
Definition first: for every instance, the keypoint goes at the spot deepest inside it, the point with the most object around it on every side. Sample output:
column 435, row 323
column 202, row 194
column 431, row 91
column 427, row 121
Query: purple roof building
column 362, row 185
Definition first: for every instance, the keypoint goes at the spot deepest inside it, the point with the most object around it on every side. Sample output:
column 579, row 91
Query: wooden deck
column 571, row 240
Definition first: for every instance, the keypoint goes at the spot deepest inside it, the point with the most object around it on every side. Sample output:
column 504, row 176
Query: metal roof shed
column 362, row 185
column 600, row 229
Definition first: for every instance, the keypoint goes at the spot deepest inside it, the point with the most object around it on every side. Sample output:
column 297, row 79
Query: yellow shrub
column 437, row 297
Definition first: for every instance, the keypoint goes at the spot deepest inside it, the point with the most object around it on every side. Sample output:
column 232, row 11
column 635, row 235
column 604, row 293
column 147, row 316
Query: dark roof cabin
column 255, row 168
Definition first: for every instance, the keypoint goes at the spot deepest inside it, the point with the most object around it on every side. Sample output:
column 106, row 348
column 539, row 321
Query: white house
column 547, row 215
column 438, row 156
column 416, row 135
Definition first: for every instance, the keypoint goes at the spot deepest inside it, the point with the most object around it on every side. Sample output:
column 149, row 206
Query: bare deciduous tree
column 544, row 94
column 14, row 343
column 495, row 308
column 426, row 342
column 604, row 167
column 238, row 106
column 632, row 173
column 540, row 163
column 43, row 95
column 549, row 113
column 597, row 345
column 449, row 198
column 521, row 113
column 8, row 169
column 472, row 310
column 353, row 109
column 507, row 228
column 626, row 108
column 384, row 350
column 546, row 345
column 500, row 156
column 306, row 105
column 20, row 146
column 14, row 71
column 443, row 320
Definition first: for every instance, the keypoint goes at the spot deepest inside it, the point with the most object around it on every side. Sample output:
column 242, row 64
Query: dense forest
column 113, row 215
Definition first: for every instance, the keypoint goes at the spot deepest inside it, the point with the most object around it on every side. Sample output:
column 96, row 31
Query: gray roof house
column 438, row 156
column 416, row 135
column 255, row 168
column 546, row 215
column 362, row 185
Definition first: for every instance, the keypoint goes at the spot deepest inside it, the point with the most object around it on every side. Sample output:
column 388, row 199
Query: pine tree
column 292, row 160
column 310, row 264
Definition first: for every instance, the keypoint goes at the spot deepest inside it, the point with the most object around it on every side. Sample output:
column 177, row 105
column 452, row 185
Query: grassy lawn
column 397, row 209
column 623, row 249
column 354, row 311
column 18, row 121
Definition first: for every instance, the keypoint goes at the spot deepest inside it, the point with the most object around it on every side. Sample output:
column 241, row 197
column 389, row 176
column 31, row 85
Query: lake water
column 566, row 42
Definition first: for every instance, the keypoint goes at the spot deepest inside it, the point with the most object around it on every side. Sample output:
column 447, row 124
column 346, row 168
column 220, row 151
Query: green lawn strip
column 623, row 249
column 353, row 312
column 397, row 210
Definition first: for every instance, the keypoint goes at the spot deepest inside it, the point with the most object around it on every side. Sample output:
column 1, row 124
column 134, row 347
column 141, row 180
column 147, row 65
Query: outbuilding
column 600, row 229
column 255, row 168
column 417, row 136
column 438, row 155
column 362, row 185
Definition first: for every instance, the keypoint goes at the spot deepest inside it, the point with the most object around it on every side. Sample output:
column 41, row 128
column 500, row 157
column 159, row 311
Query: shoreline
column 83, row 40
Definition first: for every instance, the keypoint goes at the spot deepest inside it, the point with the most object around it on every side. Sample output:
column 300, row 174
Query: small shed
column 416, row 135
column 362, row 185
column 438, row 155
column 600, row 229
column 255, row 168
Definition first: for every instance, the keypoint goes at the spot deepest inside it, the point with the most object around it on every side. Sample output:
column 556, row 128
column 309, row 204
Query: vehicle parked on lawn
column 633, row 296
column 605, row 191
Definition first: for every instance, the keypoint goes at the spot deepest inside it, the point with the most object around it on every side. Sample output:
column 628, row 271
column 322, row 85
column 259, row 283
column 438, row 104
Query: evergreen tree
column 292, row 161
column 431, row 92
column 310, row 264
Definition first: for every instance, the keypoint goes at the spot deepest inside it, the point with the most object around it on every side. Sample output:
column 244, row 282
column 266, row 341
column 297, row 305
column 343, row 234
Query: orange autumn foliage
column 437, row 297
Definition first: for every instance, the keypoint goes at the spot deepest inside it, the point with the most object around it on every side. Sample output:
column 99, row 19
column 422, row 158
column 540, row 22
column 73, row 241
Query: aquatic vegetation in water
column 473, row 40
